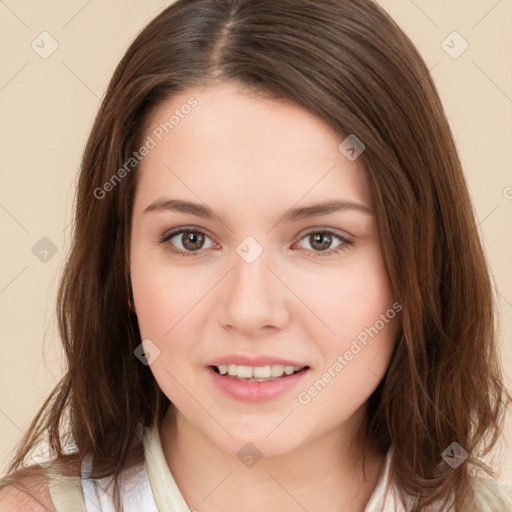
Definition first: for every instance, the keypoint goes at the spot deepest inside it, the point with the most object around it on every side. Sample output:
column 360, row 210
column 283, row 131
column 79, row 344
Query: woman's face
column 234, row 264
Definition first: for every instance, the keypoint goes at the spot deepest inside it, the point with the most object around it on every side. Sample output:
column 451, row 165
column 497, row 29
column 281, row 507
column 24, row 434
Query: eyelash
column 346, row 242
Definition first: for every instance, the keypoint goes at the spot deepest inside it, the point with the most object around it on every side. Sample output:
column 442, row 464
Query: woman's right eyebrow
column 178, row 205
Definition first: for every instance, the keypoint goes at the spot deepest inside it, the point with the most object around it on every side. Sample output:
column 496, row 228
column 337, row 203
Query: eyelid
column 320, row 229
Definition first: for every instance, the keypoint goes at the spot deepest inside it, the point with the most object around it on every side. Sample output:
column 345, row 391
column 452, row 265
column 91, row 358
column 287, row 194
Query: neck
column 325, row 474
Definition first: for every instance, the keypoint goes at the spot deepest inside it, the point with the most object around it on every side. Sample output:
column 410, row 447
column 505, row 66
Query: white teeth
column 277, row 370
column 258, row 372
column 245, row 372
column 262, row 372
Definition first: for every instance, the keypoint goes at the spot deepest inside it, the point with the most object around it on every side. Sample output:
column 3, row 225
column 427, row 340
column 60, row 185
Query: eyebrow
column 292, row 215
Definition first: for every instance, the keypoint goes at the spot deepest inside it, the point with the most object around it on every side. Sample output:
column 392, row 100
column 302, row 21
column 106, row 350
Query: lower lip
column 255, row 391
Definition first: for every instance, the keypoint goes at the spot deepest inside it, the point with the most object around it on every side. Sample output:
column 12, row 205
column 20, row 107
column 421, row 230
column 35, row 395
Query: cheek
column 352, row 369
column 165, row 302
column 164, row 294
column 170, row 304
column 348, row 299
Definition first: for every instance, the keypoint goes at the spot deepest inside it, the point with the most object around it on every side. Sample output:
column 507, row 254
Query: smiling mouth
column 284, row 374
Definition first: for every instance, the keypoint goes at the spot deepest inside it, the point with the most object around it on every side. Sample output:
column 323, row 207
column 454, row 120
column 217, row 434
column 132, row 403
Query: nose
column 254, row 296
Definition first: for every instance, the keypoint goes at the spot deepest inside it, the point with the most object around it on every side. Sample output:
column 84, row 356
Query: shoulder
column 31, row 494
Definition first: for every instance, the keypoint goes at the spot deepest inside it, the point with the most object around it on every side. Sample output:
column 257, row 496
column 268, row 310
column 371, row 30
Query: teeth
column 277, row 370
column 258, row 372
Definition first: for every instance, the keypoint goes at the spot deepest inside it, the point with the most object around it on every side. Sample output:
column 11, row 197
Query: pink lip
column 241, row 360
column 246, row 391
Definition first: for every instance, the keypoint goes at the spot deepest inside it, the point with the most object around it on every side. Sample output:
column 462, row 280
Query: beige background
column 47, row 108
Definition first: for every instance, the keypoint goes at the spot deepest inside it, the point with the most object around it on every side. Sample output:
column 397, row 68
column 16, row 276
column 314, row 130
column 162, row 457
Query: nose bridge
column 254, row 297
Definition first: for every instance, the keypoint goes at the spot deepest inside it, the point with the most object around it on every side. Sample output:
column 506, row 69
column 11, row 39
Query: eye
column 189, row 241
column 321, row 240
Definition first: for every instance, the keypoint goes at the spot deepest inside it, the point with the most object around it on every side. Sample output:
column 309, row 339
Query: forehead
column 232, row 145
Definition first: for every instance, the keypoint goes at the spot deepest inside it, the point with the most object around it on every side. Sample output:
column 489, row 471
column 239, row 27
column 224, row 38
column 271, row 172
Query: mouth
column 256, row 384
column 259, row 373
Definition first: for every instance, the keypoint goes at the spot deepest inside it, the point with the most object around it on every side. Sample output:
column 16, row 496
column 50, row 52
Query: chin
column 257, row 442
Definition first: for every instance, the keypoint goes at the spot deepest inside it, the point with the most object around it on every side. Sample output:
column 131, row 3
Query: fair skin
column 250, row 160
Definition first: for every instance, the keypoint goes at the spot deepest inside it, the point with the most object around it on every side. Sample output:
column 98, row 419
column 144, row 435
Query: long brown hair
column 347, row 62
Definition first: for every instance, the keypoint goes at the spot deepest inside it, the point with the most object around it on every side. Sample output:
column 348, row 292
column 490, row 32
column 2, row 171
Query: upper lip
column 261, row 360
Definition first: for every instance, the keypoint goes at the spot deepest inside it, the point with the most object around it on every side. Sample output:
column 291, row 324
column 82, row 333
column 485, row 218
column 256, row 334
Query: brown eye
column 185, row 242
column 320, row 241
column 192, row 240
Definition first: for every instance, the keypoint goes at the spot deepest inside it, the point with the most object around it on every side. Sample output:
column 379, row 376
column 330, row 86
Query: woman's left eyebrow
column 292, row 215
column 324, row 208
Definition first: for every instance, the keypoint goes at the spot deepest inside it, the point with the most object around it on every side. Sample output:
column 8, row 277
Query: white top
column 150, row 487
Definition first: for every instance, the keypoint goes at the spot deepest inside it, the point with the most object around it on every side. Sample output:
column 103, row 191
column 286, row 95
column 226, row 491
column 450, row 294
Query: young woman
column 276, row 298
